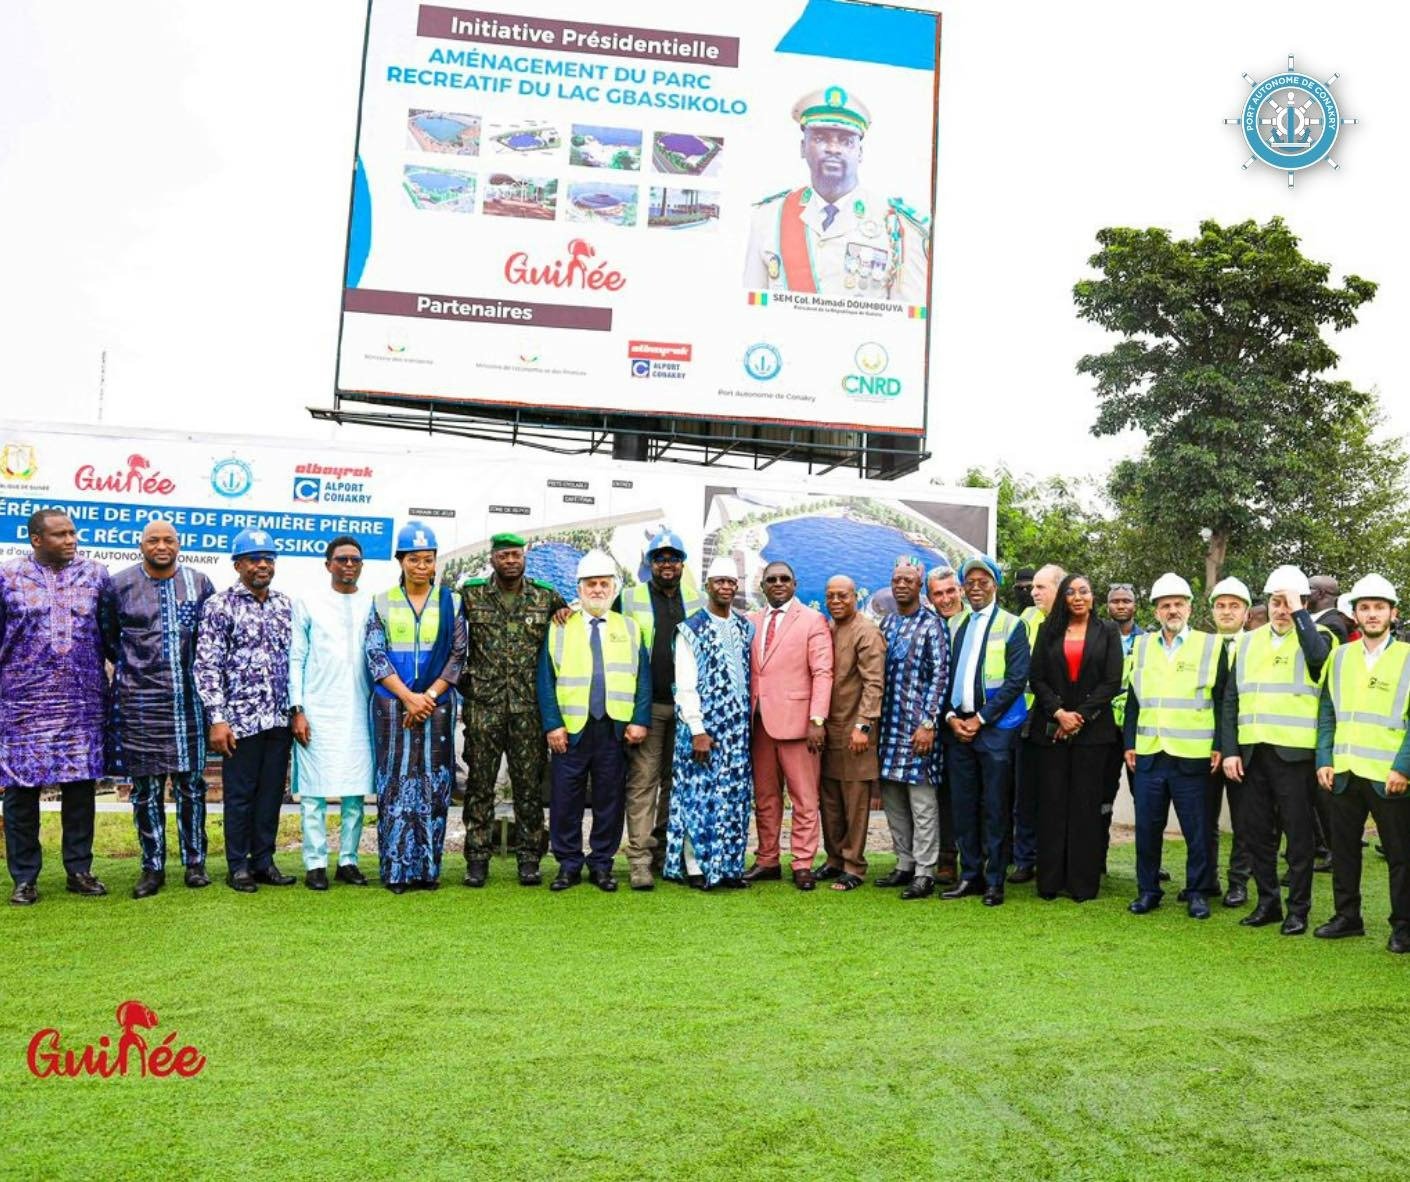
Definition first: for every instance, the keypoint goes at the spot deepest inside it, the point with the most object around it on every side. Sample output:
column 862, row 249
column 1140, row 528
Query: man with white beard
column 594, row 692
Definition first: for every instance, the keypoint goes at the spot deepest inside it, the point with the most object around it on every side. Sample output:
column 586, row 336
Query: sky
column 174, row 190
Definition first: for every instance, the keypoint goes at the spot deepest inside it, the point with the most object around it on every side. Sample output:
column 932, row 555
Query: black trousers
column 1071, row 836
column 1392, row 817
column 947, row 817
column 1240, row 865
column 1111, row 787
column 1321, row 820
column 23, row 854
column 254, row 789
column 1274, row 791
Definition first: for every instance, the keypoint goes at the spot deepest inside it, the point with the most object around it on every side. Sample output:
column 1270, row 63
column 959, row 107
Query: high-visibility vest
column 954, row 622
column 636, row 605
column 570, row 650
column 1032, row 617
column 1370, row 707
column 1277, row 698
column 1176, row 695
column 410, row 639
column 1118, row 702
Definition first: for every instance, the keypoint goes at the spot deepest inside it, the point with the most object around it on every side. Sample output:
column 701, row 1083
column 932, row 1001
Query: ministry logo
column 1291, row 121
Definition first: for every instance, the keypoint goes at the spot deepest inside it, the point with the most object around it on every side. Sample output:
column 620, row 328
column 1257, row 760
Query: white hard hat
column 1288, row 579
column 722, row 566
column 596, row 563
column 1170, row 584
column 1231, row 586
column 1373, row 587
column 1345, row 606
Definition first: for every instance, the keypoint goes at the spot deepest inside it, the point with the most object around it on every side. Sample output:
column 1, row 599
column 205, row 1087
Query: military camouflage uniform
column 501, row 710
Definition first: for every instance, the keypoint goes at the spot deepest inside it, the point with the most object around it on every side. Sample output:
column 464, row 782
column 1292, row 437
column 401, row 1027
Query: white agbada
column 328, row 678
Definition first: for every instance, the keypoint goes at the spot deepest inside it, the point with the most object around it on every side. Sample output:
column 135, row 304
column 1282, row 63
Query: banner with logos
column 306, row 493
column 718, row 211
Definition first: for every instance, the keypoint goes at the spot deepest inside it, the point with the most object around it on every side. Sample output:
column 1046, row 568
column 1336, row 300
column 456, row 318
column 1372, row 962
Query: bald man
column 156, row 727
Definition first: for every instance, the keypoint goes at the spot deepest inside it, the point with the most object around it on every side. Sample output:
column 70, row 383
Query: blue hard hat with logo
column 666, row 540
column 251, row 542
column 415, row 535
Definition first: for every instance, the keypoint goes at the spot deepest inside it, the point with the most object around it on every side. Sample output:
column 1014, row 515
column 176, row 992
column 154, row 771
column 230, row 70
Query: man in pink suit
column 791, row 662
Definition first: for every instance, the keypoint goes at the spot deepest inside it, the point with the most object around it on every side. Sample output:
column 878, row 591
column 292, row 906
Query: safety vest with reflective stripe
column 570, row 650
column 1176, row 695
column 1118, row 703
column 1277, row 699
column 1032, row 618
column 636, row 604
column 954, row 622
column 410, row 639
column 1370, row 707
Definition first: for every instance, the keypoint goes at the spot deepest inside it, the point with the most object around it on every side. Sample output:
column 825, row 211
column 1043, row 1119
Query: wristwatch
column 864, row 727
column 430, row 693
column 816, row 721
column 927, row 724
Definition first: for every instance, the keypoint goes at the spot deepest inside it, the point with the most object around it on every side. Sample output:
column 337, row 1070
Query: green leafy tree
column 1221, row 364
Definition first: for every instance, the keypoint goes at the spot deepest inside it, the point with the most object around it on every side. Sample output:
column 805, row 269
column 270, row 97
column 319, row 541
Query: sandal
column 847, row 882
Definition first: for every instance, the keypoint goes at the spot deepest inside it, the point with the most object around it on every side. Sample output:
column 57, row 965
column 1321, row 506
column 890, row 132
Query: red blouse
column 1072, row 650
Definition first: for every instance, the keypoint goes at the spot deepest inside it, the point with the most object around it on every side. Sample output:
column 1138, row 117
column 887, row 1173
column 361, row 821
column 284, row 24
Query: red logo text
column 138, row 478
column 574, row 271
column 48, row 1057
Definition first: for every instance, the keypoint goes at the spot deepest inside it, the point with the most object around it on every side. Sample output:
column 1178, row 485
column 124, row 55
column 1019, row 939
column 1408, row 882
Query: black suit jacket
column 1098, row 681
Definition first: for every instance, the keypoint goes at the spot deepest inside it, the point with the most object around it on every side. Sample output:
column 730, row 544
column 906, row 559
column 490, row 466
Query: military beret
column 506, row 542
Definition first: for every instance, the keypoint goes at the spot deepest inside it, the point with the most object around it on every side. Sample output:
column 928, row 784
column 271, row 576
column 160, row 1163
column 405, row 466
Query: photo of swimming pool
column 819, row 547
column 439, row 189
column 592, row 146
column 614, row 205
column 443, row 131
column 691, row 155
column 529, row 137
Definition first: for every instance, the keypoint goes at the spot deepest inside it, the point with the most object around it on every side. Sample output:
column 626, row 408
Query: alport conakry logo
column 762, row 362
column 232, row 477
column 1291, row 121
column 306, row 489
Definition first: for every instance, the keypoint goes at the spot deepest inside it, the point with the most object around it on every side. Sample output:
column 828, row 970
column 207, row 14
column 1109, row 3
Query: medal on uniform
column 870, row 229
column 772, row 264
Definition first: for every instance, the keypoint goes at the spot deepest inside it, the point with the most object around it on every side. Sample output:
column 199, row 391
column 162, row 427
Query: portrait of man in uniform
column 833, row 236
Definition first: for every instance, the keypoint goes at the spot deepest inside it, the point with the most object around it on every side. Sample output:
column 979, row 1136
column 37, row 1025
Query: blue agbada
column 710, row 802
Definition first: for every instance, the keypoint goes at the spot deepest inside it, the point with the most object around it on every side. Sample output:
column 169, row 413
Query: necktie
column 597, row 693
column 957, row 691
column 769, row 631
column 829, row 212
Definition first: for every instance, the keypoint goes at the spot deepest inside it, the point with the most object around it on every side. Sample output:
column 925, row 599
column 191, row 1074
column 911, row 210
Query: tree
column 1220, row 365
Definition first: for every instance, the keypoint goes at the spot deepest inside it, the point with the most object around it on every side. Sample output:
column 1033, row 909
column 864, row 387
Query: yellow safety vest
column 1032, row 618
column 996, row 662
column 570, row 650
column 1370, row 705
column 636, row 605
column 1118, row 702
column 1176, row 695
column 954, row 622
column 1277, row 699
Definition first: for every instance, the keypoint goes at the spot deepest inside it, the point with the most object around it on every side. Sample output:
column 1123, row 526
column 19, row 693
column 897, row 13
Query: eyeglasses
column 420, row 560
column 778, row 578
column 666, row 560
column 347, row 559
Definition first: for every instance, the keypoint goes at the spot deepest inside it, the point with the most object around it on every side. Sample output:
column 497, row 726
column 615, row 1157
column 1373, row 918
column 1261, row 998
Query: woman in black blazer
column 1073, row 728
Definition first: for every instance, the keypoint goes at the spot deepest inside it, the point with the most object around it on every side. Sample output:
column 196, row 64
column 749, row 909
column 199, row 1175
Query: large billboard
column 717, row 211
column 305, row 492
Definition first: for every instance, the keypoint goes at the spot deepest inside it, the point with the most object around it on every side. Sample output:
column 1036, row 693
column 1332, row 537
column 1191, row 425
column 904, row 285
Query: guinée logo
column 48, row 1058
column 573, row 271
column 140, row 477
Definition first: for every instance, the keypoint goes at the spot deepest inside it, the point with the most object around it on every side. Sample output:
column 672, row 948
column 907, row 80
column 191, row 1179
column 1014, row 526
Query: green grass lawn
column 511, row 1033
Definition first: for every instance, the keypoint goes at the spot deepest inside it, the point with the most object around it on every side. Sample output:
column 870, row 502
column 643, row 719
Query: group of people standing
column 995, row 741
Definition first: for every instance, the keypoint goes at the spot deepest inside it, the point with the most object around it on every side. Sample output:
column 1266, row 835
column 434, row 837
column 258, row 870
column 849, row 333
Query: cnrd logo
column 870, row 379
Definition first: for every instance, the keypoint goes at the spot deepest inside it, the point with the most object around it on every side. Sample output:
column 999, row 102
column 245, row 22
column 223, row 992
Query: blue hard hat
column 415, row 535
column 252, row 541
column 666, row 540
column 988, row 563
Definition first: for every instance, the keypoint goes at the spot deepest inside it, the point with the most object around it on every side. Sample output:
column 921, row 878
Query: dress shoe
column 196, row 875
column 1262, row 915
column 897, row 877
column 242, row 881
column 149, row 882
column 1023, row 874
column 1399, row 940
column 1236, row 896
column 1322, row 865
column 803, row 879
column 530, row 874
column 271, row 875
column 733, row 884
column 1294, row 925
column 1339, row 927
column 994, row 897
column 397, row 888
column 350, row 874
column 1047, row 895
column 757, row 873
column 1164, row 875
column 828, row 873
column 427, row 884
column 1197, row 906
column 86, row 884
column 967, row 887
column 317, row 879
column 641, row 879
column 1144, row 903
column 695, row 882
column 922, row 887
column 602, row 880
column 947, row 873
column 565, row 880
column 24, row 895
column 477, row 872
